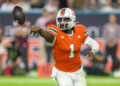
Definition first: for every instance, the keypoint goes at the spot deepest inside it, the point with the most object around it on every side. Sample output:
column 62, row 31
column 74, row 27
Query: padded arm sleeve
column 92, row 43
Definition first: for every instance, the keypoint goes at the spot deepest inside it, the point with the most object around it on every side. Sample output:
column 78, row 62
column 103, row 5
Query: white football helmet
column 65, row 19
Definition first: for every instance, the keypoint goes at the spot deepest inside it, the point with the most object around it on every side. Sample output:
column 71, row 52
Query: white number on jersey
column 71, row 51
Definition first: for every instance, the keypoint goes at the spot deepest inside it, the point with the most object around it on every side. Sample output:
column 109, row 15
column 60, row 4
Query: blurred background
column 27, row 60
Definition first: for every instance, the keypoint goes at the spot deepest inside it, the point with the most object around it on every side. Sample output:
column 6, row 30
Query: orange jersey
column 66, row 49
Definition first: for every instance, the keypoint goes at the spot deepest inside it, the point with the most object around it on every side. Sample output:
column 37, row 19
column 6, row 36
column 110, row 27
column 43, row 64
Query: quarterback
column 66, row 39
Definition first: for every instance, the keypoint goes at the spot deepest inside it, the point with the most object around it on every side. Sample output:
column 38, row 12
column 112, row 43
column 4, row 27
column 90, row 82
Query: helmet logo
column 63, row 11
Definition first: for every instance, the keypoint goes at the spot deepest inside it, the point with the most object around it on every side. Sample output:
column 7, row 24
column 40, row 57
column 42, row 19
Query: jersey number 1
column 71, row 51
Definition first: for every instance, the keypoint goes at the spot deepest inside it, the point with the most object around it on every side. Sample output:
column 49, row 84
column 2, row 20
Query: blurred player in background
column 48, row 17
column 111, row 35
column 2, row 49
column 98, row 64
column 14, row 59
column 21, row 33
column 66, row 39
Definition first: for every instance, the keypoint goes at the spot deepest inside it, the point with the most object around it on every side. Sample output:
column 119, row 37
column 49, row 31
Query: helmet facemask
column 64, row 23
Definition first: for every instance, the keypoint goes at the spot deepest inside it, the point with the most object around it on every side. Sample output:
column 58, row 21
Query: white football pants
column 69, row 78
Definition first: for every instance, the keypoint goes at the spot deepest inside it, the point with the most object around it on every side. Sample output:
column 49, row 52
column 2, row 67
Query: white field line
column 38, row 81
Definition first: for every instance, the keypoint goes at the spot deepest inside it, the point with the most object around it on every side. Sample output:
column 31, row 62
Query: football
column 18, row 15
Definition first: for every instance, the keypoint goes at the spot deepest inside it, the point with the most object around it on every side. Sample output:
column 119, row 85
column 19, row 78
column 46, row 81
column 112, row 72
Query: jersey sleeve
column 52, row 29
column 84, row 32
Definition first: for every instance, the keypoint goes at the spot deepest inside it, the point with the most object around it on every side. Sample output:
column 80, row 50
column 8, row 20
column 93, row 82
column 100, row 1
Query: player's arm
column 19, row 32
column 90, row 43
column 44, row 33
column 93, row 44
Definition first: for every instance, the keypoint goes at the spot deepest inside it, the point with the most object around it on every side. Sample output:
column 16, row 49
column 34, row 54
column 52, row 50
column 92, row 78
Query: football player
column 66, row 39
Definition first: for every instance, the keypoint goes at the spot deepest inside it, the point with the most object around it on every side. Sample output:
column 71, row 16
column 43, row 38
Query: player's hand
column 90, row 55
column 34, row 29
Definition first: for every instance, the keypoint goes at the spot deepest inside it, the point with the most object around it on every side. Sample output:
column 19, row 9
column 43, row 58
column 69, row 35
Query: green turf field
column 34, row 81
